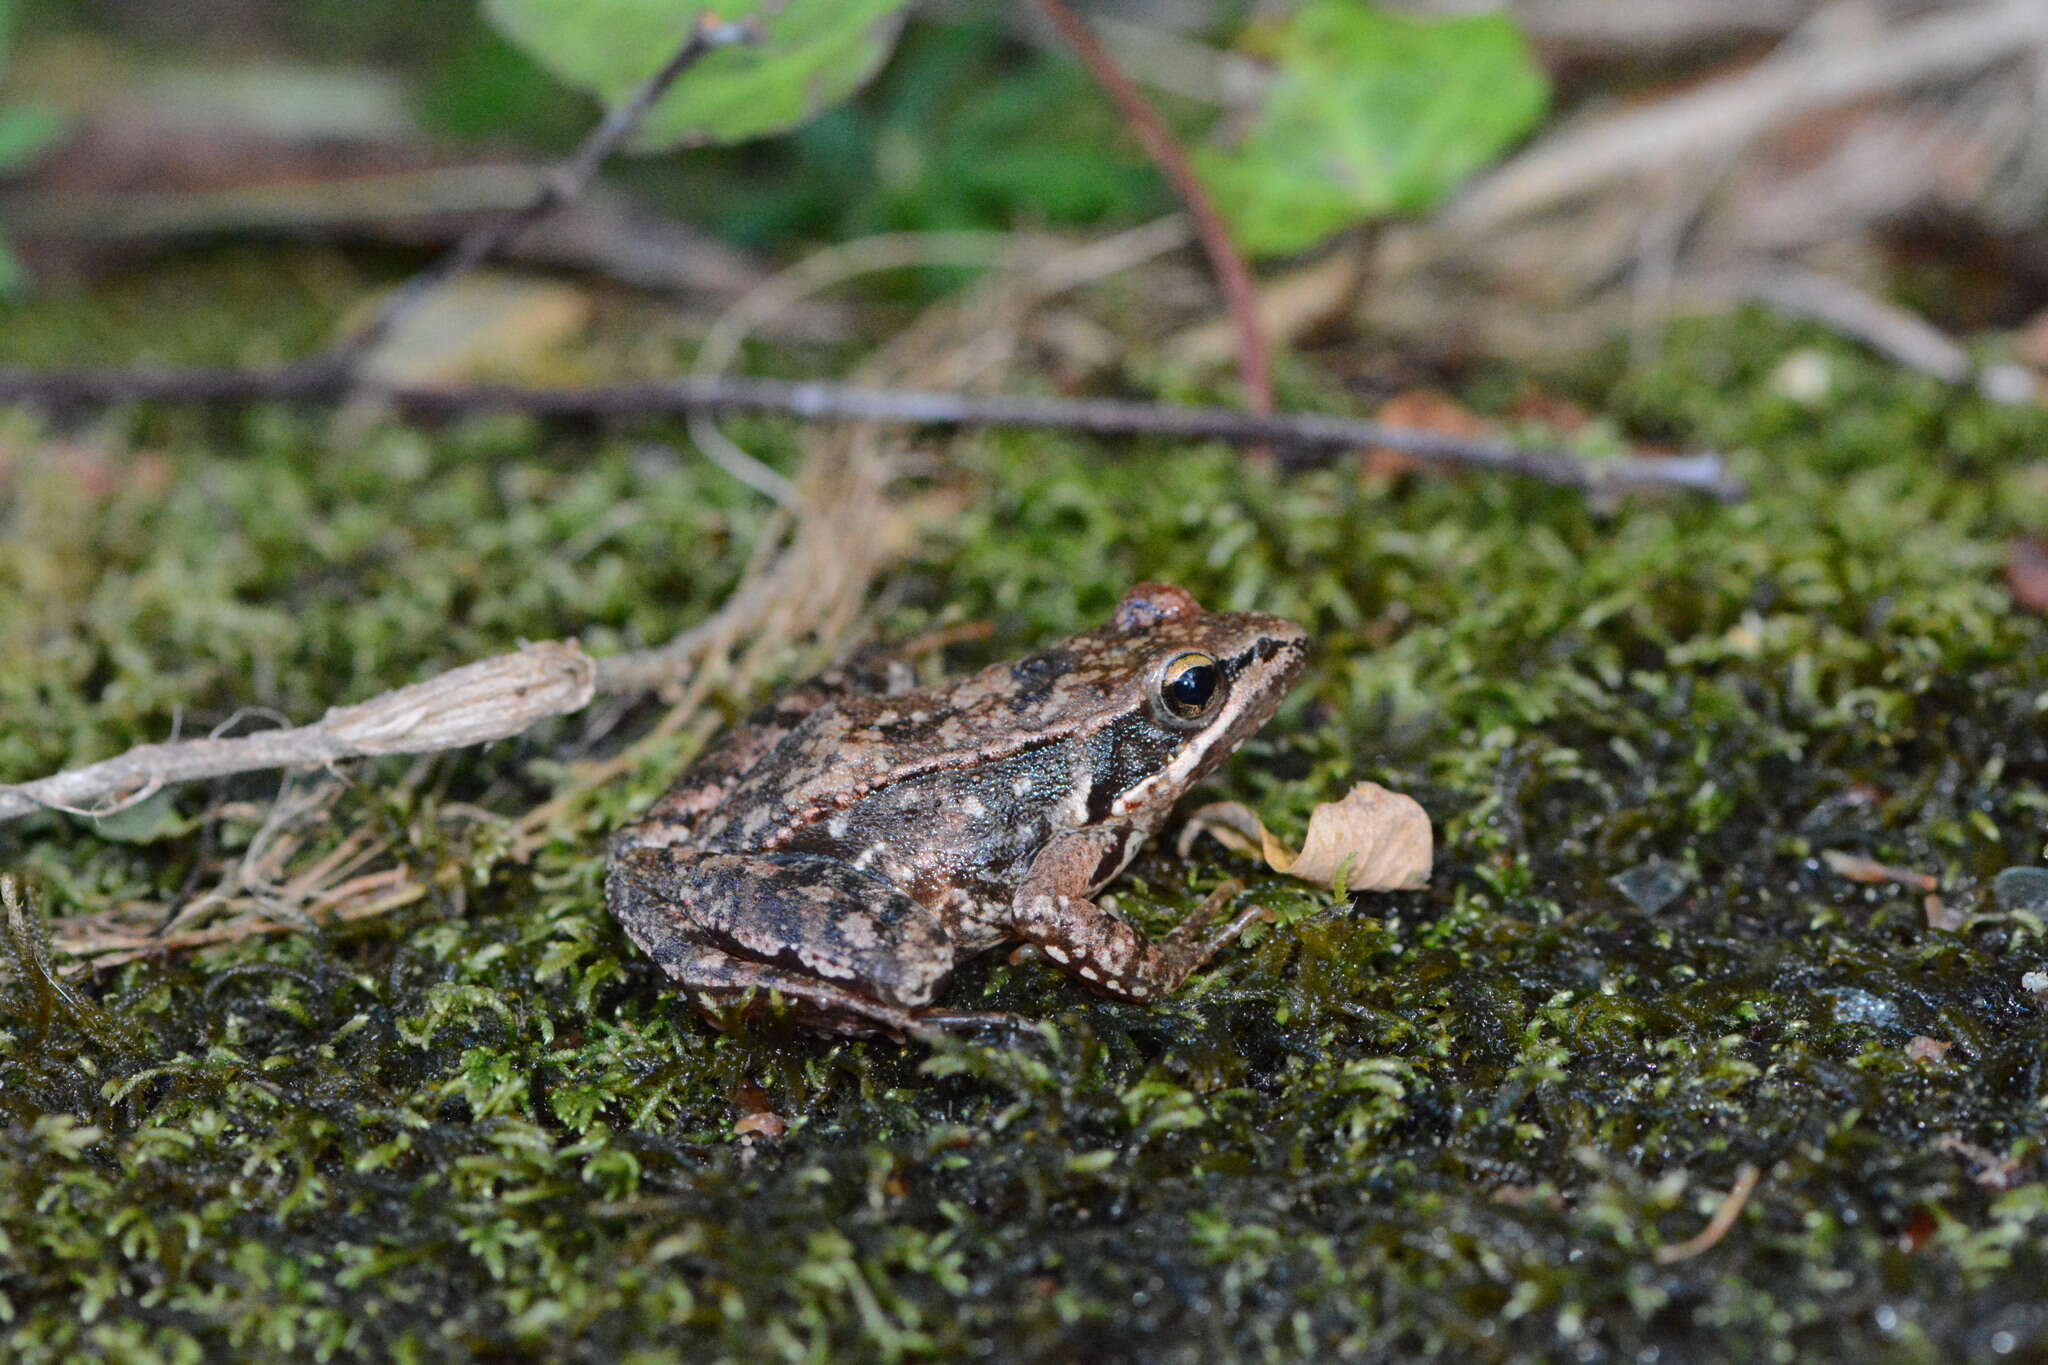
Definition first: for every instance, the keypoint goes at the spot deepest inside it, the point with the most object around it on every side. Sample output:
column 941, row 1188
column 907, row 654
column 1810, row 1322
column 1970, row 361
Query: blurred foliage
column 957, row 134
column 24, row 132
column 807, row 56
column 966, row 126
column 1370, row 114
column 1450, row 1125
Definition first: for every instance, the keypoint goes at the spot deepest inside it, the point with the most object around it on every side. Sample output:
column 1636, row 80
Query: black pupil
column 1191, row 688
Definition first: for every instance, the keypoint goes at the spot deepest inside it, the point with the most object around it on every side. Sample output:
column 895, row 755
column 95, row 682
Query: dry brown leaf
column 1419, row 410
column 2026, row 573
column 1922, row 1049
column 2031, row 346
column 766, row 1124
column 1857, row 868
column 489, row 325
column 1941, row 915
column 1377, row 839
column 1560, row 414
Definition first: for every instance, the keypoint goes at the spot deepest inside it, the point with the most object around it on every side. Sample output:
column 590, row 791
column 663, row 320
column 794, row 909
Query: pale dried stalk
column 475, row 704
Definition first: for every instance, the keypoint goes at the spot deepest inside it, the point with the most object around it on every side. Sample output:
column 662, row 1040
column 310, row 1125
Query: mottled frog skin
column 854, row 842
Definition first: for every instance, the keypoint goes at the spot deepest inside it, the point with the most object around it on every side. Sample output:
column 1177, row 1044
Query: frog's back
column 920, row 776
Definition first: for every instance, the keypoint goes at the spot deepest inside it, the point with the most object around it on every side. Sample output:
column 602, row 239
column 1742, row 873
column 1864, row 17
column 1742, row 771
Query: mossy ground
column 1455, row 1124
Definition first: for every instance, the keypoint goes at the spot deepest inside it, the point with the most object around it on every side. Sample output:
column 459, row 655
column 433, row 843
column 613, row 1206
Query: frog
column 852, row 843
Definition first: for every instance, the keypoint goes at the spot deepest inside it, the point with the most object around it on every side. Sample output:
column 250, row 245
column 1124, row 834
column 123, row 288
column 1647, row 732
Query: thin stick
column 1717, row 1226
column 1233, row 278
column 566, row 183
column 1893, row 332
column 1315, row 435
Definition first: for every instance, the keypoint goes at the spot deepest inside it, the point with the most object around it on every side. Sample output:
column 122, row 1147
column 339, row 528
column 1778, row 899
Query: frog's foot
column 1103, row 948
column 1187, row 935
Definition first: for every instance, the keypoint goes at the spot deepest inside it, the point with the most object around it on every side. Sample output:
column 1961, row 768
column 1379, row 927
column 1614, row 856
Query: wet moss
column 1455, row 1124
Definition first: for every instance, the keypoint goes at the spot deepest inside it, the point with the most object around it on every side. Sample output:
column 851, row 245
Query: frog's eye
column 1189, row 685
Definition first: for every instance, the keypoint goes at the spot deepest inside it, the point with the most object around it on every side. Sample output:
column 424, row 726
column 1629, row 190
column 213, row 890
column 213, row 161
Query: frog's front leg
column 852, row 949
column 1053, row 911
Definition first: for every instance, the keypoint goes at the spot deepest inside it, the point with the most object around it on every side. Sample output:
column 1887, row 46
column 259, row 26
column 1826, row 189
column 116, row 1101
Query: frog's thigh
column 706, row 971
column 1052, row 909
column 813, row 916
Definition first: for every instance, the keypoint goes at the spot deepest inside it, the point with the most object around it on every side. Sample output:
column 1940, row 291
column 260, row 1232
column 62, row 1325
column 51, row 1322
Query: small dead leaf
column 489, row 325
column 2036, row 985
column 1927, row 1049
column 1418, row 410
column 2031, row 346
column 1940, row 915
column 1857, row 868
column 1376, row 839
column 765, row 1124
column 1558, row 413
column 2026, row 573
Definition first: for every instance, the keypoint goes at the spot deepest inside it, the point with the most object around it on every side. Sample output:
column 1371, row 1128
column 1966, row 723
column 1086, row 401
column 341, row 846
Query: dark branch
column 1302, row 437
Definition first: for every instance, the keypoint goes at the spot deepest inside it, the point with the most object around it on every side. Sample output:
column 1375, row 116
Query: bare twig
column 1717, row 1226
column 1233, row 278
column 1069, row 268
column 707, row 35
column 819, row 401
column 1893, row 332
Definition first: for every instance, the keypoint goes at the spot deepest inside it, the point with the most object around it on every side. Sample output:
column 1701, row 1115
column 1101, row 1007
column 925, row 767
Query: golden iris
column 1189, row 684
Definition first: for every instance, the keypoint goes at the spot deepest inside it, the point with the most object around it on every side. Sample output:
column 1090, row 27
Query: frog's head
column 1176, row 690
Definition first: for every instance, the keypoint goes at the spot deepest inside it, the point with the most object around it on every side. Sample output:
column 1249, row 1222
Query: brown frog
column 854, row 842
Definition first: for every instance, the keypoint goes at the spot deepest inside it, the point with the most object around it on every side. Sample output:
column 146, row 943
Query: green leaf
column 24, row 133
column 810, row 55
column 13, row 279
column 148, row 820
column 1371, row 114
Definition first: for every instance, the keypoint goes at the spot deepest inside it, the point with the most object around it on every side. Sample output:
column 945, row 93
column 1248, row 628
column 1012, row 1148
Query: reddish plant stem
column 1233, row 277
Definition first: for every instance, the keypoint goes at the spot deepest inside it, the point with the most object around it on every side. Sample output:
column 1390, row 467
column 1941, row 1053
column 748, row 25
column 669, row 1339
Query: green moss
column 1455, row 1124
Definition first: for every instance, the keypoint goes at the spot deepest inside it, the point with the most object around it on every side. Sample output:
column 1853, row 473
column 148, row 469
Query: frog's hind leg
column 843, row 942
